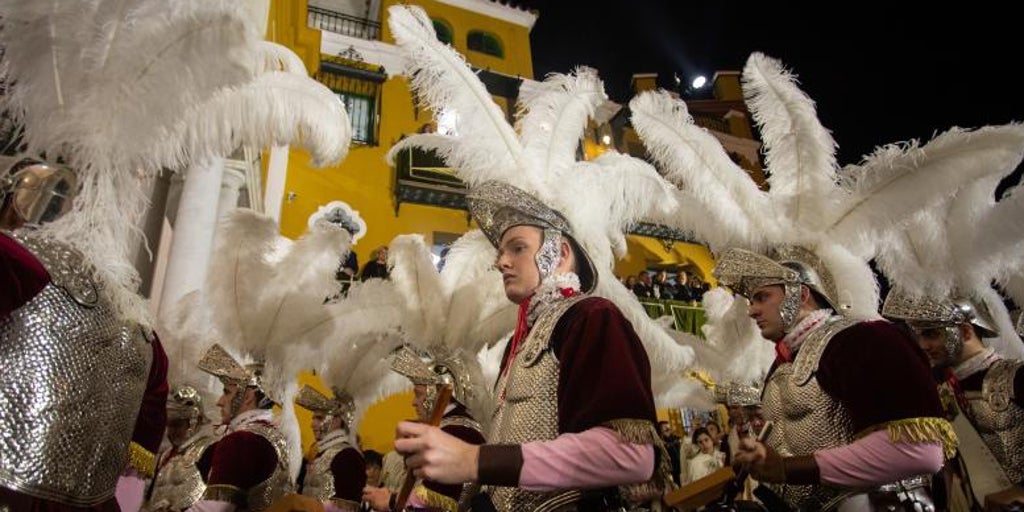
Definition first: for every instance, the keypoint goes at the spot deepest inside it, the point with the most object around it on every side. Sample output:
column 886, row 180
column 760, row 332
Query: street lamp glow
column 606, row 139
column 699, row 82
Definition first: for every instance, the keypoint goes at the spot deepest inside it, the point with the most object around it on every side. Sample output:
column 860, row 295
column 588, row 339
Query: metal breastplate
column 529, row 411
column 261, row 495
column 72, row 381
column 806, row 419
column 319, row 482
column 178, row 483
column 999, row 421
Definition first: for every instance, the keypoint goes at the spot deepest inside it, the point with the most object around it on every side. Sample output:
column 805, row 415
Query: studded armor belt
column 178, row 483
column 72, row 382
column 999, row 421
column 529, row 411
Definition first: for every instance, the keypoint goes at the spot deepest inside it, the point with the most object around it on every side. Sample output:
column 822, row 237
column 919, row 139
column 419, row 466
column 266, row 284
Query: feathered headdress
column 942, row 266
column 599, row 199
column 838, row 218
column 119, row 90
column 266, row 296
column 186, row 333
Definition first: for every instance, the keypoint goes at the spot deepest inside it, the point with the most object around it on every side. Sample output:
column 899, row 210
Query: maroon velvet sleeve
column 468, row 435
column 604, row 370
column 242, row 459
column 349, row 470
column 152, row 419
column 879, row 374
column 22, row 276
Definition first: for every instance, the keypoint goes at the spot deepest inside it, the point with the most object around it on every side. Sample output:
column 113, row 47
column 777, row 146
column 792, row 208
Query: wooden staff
column 443, row 397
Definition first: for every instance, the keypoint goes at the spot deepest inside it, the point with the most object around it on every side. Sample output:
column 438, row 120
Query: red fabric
column 466, row 434
column 604, row 370
column 349, row 470
column 19, row 502
column 242, row 459
column 152, row 418
column 22, row 276
column 517, row 337
column 782, row 353
column 879, row 375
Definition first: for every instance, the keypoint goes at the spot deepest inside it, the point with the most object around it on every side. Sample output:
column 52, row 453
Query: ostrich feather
column 443, row 145
column 552, row 120
column 799, row 151
column 276, row 108
column 917, row 258
column 695, row 161
column 238, row 274
column 478, row 311
column 669, row 359
column 733, row 349
column 686, row 393
column 417, row 280
column 997, row 247
column 185, row 335
column 897, row 180
column 442, row 79
column 292, row 304
column 275, row 57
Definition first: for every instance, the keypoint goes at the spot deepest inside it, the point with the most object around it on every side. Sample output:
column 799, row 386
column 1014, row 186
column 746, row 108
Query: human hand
column 434, row 455
column 379, row 498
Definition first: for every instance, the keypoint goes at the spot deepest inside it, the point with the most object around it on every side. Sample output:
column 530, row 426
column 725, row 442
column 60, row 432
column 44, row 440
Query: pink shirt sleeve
column 130, row 491
column 591, row 459
column 875, row 460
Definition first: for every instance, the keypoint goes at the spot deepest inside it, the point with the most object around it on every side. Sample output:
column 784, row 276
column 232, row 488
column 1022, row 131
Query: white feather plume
column 733, row 349
column 443, row 145
column 418, row 282
column 277, row 108
column 799, row 150
column 442, row 79
column 276, row 57
column 898, row 180
column 479, row 313
column 695, row 161
column 552, row 120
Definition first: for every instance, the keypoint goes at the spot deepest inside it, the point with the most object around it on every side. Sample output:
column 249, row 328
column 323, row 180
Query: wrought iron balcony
column 344, row 24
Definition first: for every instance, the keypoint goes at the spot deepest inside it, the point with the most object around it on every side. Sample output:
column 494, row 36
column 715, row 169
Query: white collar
column 976, row 363
column 251, row 416
column 810, row 323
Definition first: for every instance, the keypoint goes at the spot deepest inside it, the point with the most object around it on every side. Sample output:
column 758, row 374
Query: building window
column 444, row 31
column 484, row 42
column 357, row 84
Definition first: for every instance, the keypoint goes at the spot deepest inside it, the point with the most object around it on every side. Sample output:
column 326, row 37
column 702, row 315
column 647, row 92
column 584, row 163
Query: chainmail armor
column 260, row 496
column 319, row 482
column 999, row 421
column 178, row 481
column 529, row 411
column 73, row 377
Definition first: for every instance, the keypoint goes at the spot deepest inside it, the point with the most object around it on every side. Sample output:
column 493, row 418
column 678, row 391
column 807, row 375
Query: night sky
column 877, row 75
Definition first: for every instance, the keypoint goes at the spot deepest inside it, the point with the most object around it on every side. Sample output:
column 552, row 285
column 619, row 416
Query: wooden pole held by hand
column 444, row 396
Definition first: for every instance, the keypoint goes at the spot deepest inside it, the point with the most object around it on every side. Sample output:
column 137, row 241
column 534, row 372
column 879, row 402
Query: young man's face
column 178, row 430
column 933, row 342
column 764, row 308
column 517, row 261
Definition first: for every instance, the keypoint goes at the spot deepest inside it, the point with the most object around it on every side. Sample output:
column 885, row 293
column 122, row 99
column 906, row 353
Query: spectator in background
column 682, row 288
column 698, row 287
column 378, row 266
column 642, row 288
column 672, row 445
column 374, row 463
column 663, row 288
column 708, row 459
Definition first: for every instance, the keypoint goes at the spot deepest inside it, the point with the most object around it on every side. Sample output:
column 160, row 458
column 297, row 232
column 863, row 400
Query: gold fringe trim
column 435, row 500
column 638, row 431
column 143, row 460
column 919, row 430
column 632, row 430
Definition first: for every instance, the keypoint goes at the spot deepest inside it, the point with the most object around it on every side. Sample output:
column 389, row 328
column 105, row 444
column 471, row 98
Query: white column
column 230, row 186
column 194, row 225
column 277, row 171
